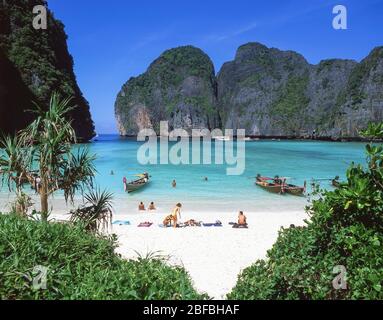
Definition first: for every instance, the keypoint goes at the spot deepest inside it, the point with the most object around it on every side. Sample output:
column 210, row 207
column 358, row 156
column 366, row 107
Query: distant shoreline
column 292, row 138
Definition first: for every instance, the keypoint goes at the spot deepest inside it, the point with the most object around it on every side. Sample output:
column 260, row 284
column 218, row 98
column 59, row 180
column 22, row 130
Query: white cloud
column 231, row 34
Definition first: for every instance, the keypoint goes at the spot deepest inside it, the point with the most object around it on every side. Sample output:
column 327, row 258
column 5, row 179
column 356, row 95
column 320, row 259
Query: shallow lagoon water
column 300, row 160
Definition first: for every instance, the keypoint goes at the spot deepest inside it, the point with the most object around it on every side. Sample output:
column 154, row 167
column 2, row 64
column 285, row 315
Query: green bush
column 346, row 228
column 81, row 266
column 289, row 109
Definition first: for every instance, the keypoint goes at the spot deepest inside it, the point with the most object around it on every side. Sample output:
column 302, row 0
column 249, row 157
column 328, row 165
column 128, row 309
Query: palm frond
column 96, row 215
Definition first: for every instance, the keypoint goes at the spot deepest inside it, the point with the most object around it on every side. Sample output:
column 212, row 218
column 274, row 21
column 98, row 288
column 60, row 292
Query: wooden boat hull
column 131, row 187
column 335, row 183
column 273, row 188
column 278, row 185
column 294, row 190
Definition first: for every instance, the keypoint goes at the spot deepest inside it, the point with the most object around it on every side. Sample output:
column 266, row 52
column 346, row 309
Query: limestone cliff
column 264, row 90
column 179, row 87
column 33, row 64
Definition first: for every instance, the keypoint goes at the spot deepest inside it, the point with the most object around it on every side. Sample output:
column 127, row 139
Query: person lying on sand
column 152, row 206
column 242, row 219
column 141, row 207
column 192, row 223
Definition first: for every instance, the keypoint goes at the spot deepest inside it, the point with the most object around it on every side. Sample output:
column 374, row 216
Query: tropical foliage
column 42, row 156
column 345, row 229
column 79, row 266
column 96, row 214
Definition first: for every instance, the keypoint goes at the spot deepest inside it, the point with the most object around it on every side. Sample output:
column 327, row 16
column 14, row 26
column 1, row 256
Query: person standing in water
column 174, row 184
column 125, row 182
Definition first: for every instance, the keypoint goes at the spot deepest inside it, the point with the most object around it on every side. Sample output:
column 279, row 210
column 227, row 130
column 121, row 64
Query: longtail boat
column 279, row 185
column 269, row 184
column 136, row 184
column 335, row 182
column 294, row 190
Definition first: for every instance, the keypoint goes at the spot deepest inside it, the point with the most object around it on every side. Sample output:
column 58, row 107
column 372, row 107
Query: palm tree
column 42, row 155
column 96, row 214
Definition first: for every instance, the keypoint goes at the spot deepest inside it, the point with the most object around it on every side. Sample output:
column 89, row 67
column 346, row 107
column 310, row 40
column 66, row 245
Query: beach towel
column 145, row 224
column 240, row 226
column 216, row 224
column 122, row 222
column 161, row 225
column 179, row 225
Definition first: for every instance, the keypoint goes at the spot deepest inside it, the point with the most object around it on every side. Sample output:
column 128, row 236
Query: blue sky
column 113, row 40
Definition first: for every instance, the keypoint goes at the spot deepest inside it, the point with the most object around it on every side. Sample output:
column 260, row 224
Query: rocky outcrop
column 264, row 90
column 179, row 87
column 270, row 92
column 33, row 64
column 362, row 99
column 255, row 89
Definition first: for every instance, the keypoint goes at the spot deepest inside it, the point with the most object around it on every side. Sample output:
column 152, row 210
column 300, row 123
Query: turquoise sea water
column 301, row 160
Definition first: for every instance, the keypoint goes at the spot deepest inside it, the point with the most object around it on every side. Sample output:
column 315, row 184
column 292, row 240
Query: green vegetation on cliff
column 361, row 71
column 181, row 81
column 169, row 70
column 42, row 61
column 174, row 63
column 289, row 108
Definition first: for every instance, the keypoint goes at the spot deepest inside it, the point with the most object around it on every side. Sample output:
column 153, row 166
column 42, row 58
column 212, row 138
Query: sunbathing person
column 242, row 219
column 192, row 223
column 152, row 206
column 168, row 221
column 141, row 207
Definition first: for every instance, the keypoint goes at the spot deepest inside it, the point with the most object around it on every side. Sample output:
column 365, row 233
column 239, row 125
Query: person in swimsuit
column 174, row 184
column 176, row 212
column 152, row 206
column 242, row 219
column 141, row 207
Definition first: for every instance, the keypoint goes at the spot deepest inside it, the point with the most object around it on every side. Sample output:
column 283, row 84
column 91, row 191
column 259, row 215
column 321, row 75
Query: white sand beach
column 213, row 256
